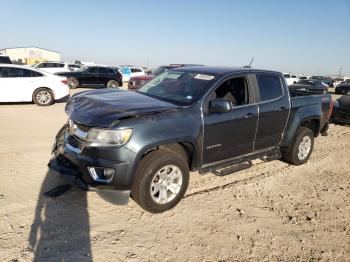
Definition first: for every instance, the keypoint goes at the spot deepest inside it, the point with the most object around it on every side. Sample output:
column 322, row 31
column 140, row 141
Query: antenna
column 251, row 62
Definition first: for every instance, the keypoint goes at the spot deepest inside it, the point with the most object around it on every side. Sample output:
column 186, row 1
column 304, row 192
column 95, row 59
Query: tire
column 112, row 84
column 302, row 147
column 150, row 181
column 72, row 82
column 43, row 97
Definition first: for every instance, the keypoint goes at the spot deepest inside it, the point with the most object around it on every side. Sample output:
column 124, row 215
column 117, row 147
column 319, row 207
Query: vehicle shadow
column 60, row 230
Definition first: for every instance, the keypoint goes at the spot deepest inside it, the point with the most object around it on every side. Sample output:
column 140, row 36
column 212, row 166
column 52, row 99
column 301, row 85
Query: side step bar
column 232, row 168
column 239, row 164
column 272, row 156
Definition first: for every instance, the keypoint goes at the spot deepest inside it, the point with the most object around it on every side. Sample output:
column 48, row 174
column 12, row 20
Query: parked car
column 137, row 81
column 343, row 88
column 94, row 76
column 74, row 67
column 341, row 112
column 208, row 119
column 125, row 71
column 5, row 59
column 53, row 67
column 290, row 79
column 327, row 80
column 24, row 84
column 310, row 85
column 131, row 71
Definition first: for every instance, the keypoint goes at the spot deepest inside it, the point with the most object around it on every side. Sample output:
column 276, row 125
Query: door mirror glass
column 220, row 105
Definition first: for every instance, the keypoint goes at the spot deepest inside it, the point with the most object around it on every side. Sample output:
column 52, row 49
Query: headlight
column 103, row 137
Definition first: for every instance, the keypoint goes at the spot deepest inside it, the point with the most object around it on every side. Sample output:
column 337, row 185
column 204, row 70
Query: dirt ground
column 270, row 212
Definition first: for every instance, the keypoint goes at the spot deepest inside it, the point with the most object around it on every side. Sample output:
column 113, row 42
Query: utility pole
column 339, row 72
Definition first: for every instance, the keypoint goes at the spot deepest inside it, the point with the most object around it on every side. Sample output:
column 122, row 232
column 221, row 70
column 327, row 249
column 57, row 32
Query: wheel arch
column 184, row 147
column 313, row 124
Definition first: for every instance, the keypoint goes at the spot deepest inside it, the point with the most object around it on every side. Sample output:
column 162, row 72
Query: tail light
column 64, row 82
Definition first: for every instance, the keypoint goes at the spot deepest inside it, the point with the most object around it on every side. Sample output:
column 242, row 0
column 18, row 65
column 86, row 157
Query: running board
column 232, row 168
column 270, row 157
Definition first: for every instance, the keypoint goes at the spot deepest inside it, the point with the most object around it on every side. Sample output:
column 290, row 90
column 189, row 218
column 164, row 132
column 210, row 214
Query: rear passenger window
column 18, row 72
column 93, row 70
column 270, row 87
column 103, row 70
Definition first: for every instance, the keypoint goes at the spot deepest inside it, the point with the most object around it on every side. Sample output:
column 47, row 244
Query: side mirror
column 220, row 105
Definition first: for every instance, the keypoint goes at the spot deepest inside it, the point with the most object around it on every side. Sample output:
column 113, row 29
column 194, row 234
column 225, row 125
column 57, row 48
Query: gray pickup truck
column 205, row 119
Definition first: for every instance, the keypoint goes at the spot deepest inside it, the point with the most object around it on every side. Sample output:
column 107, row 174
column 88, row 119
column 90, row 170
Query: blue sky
column 291, row 36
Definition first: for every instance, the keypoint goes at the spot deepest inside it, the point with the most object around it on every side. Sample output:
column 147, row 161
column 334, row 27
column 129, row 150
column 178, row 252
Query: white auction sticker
column 204, row 77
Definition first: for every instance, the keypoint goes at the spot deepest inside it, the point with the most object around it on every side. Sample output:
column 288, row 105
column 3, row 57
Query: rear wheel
column 302, row 147
column 112, row 84
column 72, row 82
column 43, row 97
column 161, row 181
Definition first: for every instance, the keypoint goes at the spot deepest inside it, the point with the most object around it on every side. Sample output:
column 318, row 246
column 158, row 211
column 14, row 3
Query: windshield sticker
column 189, row 97
column 204, row 77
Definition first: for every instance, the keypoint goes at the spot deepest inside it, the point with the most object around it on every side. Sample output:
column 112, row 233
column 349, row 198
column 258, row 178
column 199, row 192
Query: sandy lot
column 272, row 211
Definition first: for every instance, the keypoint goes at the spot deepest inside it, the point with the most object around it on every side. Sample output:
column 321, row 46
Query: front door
column 231, row 134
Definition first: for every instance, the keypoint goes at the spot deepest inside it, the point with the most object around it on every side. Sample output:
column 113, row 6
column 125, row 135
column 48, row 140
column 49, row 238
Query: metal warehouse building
column 30, row 55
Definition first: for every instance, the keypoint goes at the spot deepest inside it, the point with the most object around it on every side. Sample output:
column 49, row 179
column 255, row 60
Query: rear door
column 231, row 134
column 105, row 74
column 274, row 108
column 91, row 77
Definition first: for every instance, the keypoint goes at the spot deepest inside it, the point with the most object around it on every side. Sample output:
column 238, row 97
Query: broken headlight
column 104, row 137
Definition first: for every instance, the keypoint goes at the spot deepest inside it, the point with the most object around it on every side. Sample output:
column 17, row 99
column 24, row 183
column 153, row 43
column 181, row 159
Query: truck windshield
column 180, row 88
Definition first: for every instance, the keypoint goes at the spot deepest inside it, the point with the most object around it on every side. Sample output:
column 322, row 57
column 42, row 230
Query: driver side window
column 234, row 90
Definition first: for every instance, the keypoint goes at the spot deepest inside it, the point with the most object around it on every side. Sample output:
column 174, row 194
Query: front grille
column 74, row 141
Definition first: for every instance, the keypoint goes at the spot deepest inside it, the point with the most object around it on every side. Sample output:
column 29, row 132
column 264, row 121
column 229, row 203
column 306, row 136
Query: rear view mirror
column 220, row 105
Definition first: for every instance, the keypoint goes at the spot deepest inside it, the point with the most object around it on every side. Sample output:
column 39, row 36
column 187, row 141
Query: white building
column 30, row 55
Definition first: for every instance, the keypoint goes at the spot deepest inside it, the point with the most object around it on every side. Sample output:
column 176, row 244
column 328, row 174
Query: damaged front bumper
column 85, row 169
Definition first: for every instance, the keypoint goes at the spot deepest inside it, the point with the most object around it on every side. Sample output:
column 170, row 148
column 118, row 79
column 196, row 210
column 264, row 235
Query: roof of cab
column 220, row 71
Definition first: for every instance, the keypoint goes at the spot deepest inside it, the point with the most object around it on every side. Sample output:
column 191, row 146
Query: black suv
column 93, row 76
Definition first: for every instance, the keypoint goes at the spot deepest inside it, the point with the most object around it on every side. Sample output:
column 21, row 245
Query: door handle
column 282, row 109
column 249, row 115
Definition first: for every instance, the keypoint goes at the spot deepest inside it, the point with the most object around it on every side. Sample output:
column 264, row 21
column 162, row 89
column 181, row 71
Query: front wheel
column 112, row 84
column 161, row 181
column 302, row 147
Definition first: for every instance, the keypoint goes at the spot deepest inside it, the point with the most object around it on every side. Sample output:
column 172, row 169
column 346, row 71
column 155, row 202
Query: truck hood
column 104, row 107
